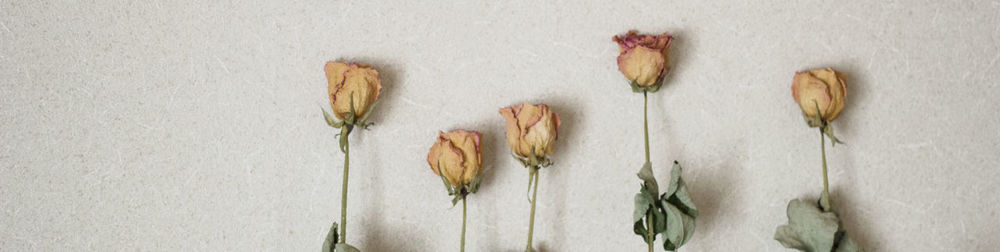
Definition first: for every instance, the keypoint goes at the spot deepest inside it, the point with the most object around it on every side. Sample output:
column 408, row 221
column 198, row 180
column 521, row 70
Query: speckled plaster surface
column 167, row 126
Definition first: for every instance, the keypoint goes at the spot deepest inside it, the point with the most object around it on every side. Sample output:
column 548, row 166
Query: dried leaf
column 809, row 228
column 331, row 239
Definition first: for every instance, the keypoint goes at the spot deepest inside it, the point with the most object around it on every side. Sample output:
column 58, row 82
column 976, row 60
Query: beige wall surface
column 168, row 126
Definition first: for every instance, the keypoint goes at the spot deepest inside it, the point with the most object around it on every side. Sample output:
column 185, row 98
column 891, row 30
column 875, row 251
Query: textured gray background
column 164, row 126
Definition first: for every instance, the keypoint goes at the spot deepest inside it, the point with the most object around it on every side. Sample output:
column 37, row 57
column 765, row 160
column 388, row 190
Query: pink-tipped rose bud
column 531, row 132
column 457, row 158
column 644, row 59
column 352, row 81
column 820, row 94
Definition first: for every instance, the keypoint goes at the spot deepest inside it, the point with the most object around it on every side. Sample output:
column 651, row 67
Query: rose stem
column 343, row 189
column 825, row 199
column 645, row 125
column 531, row 222
column 645, row 133
column 463, row 224
column 649, row 223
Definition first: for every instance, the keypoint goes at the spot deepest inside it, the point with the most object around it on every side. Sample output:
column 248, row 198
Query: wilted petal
column 642, row 65
column 513, row 131
column 822, row 88
column 811, row 93
column 644, row 58
column 361, row 81
column 335, row 78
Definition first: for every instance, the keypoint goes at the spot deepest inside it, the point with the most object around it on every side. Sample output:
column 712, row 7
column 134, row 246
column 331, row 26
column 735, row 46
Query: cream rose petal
column 642, row 65
column 811, row 93
column 513, row 131
column 452, row 161
column 335, row 78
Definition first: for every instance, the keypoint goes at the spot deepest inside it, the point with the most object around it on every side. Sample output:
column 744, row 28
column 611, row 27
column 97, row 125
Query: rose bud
column 531, row 132
column 457, row 159
column 820, row 93
column 644, row 59
column 353, row 88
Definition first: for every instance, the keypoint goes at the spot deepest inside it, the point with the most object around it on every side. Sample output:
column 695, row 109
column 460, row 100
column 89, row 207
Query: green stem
column 534, row 197
column 645, row 133
column 649, row 221
column 343, row 189
column 645, row 124
column 463, row 224
column 825, row 199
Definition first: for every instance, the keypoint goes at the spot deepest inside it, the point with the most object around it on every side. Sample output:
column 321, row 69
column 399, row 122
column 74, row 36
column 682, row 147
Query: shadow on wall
column 679, row 49
column 856, row 98
column 853, row 219
column 371, row 222
column 382, row 236
column 844, row 193
column 713, row 189
column 493, row 146
column 555, row 178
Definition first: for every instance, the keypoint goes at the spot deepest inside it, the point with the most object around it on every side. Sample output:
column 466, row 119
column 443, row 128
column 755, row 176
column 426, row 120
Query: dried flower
column 457, row 158
column 820, row 93
column 531, row 132
column 644, row 59
column 353, row 88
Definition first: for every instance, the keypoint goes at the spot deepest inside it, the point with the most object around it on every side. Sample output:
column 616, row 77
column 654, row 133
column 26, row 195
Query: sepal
column 636, row 88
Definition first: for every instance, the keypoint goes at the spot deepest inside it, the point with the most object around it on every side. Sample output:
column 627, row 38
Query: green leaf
column 682, row 200
column 675, row 177
column 642, row 204
column 674, row 234
column 680, row 211
column 809, row 228
column 649, row 182
column 640, row 229
column 688, row 228
column 342, row 247
column 659, row 221
column 331, row 239
column 847, row 245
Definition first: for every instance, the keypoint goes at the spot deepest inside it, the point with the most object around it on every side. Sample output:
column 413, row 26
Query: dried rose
column 352, row 84
column 531, row 132
column 457, row 158
column 820, row 94
column 644, row 59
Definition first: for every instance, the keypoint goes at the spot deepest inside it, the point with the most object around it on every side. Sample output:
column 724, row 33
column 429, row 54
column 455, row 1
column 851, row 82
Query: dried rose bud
column 457, row 158
column 820, row 93
column 644, row 59
column 352, row 81
column 531, row 132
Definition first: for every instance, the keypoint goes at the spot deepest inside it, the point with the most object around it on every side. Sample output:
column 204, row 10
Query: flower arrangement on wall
column 532, row 130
